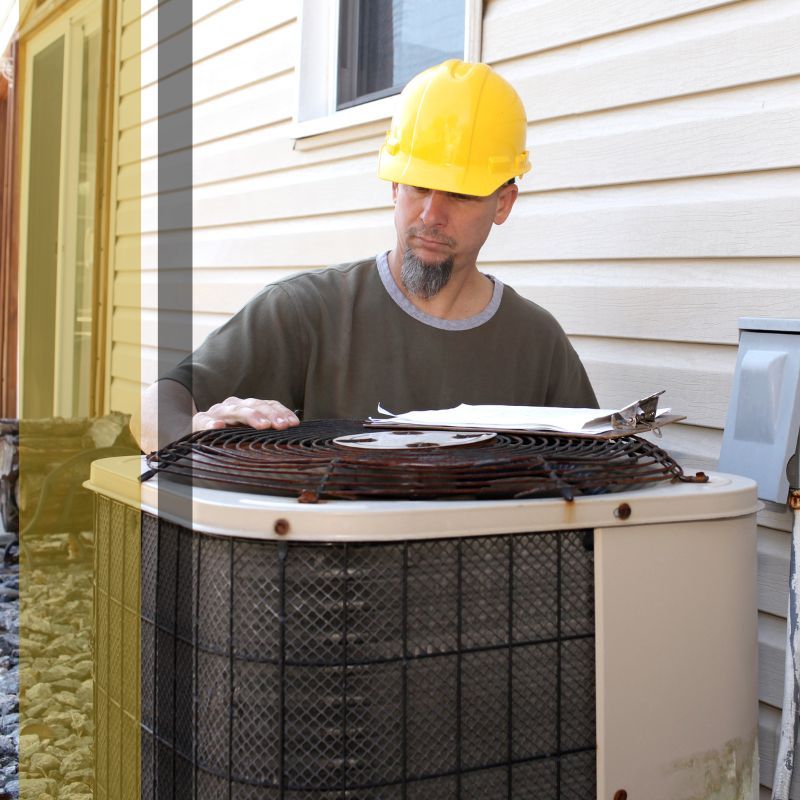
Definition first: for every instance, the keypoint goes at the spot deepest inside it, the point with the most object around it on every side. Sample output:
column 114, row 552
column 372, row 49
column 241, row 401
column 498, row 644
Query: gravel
column 47, row 749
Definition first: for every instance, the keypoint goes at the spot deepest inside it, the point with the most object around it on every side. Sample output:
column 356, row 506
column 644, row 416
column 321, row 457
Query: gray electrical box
column 763, row 424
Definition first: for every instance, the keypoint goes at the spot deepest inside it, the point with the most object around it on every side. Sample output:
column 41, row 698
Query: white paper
column 513, row 418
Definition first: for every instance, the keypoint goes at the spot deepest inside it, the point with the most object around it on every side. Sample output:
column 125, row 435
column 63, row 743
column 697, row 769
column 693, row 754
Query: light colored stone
column 75, row 790
column 43, row 762
column 34, row 788
column 40, row 693
column 28, row 745
column 66, row 699
column 56, row 673
column 75, row 761
column 85, row 693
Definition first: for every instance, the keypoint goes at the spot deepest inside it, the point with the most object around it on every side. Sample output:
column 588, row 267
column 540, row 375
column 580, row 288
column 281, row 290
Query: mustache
column 430, row 233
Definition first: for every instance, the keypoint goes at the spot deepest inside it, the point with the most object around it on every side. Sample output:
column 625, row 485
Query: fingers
column 260, row 414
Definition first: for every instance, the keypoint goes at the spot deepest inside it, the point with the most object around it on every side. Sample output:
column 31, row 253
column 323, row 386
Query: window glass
column 384, row 43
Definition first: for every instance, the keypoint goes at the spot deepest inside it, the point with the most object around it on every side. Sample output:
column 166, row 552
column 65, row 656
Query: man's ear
column 394, row 192
column 506, row 197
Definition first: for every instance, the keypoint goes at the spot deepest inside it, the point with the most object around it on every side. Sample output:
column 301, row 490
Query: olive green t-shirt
column 335, row 343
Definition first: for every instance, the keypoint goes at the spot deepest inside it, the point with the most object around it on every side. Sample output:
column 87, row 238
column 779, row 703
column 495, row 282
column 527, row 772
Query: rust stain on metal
column 282, row 527
column 622, row 511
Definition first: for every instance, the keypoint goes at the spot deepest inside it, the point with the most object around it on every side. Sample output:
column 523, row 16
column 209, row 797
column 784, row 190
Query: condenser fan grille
column 306, row 463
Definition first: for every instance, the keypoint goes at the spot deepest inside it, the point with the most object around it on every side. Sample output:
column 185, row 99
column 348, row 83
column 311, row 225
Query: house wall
column 662, row 205
column 659, row 211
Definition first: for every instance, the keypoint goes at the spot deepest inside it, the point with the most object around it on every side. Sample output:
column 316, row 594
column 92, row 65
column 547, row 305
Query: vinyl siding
column 662, row 206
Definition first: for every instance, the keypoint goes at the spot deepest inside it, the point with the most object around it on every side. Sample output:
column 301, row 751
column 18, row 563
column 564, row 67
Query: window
column 356, row 55
column 384, row 43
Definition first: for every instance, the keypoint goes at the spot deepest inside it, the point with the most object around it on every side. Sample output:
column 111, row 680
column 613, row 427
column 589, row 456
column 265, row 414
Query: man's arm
column 179, row 415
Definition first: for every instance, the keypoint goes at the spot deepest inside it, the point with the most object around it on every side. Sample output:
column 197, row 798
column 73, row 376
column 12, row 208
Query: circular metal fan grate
column 304, row 462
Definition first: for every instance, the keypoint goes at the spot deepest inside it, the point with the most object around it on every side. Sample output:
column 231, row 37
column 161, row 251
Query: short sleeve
column 260, row 352
column 569, row 385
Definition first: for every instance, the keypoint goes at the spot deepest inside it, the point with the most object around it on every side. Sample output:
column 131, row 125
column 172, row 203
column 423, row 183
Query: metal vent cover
column 306, row 463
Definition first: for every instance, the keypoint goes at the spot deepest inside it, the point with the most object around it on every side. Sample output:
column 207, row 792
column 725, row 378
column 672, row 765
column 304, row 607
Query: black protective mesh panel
column 459, row 668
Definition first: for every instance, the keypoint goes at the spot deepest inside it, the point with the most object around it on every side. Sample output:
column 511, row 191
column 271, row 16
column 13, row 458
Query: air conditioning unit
column 254, row 646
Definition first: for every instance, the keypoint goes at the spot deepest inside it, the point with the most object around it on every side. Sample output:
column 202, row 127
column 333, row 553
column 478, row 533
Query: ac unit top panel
column 240, row 514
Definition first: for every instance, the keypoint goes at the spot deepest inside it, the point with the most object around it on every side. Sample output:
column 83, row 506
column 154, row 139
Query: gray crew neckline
column 436, row 322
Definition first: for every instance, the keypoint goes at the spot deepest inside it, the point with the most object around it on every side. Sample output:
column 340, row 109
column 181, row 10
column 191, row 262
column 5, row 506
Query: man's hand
column 260, row 414
column 167, row 413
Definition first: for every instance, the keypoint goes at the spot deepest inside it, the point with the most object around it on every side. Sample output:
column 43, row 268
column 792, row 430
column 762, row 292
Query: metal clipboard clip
column 638, row 415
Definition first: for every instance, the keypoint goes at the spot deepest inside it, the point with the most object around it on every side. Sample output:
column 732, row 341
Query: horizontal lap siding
column 243, row 87
column 662, row 206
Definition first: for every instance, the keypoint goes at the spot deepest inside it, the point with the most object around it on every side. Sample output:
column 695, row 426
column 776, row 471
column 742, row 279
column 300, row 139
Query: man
column 417, row 327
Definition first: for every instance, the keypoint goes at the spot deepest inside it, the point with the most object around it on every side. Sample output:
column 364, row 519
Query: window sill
column 374, row 111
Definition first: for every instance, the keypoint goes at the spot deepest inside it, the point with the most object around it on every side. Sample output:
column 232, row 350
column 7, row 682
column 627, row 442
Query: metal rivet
column 620, row 794
column 622, row 511
column 282, row 527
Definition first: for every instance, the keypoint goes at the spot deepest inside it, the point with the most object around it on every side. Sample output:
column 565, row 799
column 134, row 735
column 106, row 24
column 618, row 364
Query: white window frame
column 315, row 105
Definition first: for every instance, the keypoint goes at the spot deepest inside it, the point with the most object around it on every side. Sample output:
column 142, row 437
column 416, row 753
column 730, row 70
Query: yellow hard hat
column 459, row 127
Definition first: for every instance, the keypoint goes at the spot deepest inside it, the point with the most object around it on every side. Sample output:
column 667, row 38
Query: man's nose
column 434, row 208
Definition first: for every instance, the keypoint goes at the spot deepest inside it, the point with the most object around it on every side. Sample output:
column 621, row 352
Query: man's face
column 445, row 230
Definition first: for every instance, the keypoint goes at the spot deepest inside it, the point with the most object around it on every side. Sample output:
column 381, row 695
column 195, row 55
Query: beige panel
column 253, row 106
column 679, row 219
column 218, row 25
column 771, row 653
column 682, row 300
column 257, row 106
column 649, row 65
column 134, row 9
column 125, row 394
column 773, row 570
column 734, row 143
column 148, row 26
column 304, row 242
column 216, row 291
column 237, row 22
column 128, row 356
column 128, row 326
column 719, row 133
column 129, row 323
column 626, row 146
column 146, row 358
column 339, row 187
column 697, row 377
column 131, row 41
column 517, row 27
column 707, row 218
column 676, row 702
column 254, row 59
column 263, row 151
column 130, row 73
